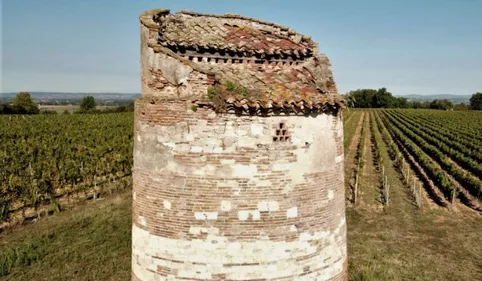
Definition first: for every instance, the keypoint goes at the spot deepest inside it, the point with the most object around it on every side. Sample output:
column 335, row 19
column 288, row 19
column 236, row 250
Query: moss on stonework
column 226, row 88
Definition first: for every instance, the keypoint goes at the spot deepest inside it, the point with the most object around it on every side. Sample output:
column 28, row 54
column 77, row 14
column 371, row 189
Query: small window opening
column 282, row 133
column 199, row 58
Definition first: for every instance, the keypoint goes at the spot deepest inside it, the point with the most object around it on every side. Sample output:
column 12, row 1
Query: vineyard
column 413, row 187
column 437, row 155
column 48, row 158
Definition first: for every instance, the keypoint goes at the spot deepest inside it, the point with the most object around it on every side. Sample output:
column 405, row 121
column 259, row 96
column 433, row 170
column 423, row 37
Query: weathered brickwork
column 230, row 197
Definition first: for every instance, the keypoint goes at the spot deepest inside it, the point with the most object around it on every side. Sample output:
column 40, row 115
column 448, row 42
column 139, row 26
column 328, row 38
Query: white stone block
column 233, row 247
column 241, row 132
column 268, row 206
column 257, row 129
column 339, row 158
column 142, row 221
column 206, row 215
column 296, row 141
column 243, row 215
column 293, row 228
column 196, row 149
column 244, row 171
column 331, row 194
column 199, row 216
column 217, row 149
column 280, row 166
column 167, row 204
column 256, row 215
column 225, row 205
column 169, row 144
column 227, row 161
column 292, row 212
column 211, row 215
column 246, row 142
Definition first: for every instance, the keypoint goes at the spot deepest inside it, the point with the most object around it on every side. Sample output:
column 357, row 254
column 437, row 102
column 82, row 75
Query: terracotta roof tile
column 306, row 83
column 232, row 33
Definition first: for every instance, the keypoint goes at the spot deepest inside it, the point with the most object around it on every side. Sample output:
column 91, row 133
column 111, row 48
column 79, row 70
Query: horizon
column 410, row 48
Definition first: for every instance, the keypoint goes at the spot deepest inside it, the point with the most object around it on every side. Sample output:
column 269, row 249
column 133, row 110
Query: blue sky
column 409, row 46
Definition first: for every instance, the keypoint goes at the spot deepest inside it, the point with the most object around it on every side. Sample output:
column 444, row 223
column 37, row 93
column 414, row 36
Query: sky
column 409, row 47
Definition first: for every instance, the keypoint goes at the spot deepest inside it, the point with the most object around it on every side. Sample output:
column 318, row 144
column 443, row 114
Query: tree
column 441, row 104
column 371, row 98
column 24, row 104
column 88, row 103
column 361, row 98
column 476, row 101
column 383, row 99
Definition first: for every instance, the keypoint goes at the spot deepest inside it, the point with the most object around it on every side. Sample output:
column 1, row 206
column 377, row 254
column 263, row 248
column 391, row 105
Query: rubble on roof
column 276, row 65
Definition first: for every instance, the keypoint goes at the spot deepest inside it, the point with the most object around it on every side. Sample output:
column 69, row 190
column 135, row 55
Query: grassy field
column 399, row 241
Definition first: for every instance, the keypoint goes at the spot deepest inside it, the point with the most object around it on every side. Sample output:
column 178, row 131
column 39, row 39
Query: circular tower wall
column 229, row 196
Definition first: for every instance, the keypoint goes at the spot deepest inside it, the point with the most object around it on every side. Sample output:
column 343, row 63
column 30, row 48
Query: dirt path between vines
column 350, row 161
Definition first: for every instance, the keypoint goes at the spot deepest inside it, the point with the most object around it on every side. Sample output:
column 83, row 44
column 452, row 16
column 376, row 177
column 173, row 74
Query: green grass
column 91, row 242
column 429, row 246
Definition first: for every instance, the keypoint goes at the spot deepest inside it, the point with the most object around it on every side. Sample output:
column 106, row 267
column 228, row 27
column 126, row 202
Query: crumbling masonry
column 238, row 154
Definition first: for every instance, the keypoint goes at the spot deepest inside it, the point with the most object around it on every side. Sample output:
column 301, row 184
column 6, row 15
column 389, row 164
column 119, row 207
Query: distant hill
column 74, row 98
column 452, row 98
column 109, row 98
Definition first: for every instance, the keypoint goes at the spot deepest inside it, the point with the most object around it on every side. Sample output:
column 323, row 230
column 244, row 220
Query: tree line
column 382, row 98
column 24, row 104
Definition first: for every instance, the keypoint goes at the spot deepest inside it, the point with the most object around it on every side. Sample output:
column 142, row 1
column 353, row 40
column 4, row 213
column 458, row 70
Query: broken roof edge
column 157, row 48
column 147, row 18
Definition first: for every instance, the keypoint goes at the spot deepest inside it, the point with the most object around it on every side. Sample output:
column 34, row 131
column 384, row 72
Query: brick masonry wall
column 215, row 198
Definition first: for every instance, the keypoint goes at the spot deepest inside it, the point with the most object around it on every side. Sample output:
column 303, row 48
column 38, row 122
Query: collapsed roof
column 274, row 65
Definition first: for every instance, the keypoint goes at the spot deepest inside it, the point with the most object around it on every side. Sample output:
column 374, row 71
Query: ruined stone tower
column 238, row 154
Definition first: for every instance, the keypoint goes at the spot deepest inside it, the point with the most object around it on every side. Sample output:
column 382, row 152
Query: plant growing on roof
column 212, row 92
column 236, row 89
column 228, row 87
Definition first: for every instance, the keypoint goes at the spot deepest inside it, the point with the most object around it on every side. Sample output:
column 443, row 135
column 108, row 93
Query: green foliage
column 443, row 104
column 194, row 107
column 476, row 101
column 242, row 91
column 88, row 103
column 212, row 92
column 43, row 156
column 230, row 86
column 370, row 98
column 227, row 87
column 427, row 142
column 381, row 98
column 21, row 104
